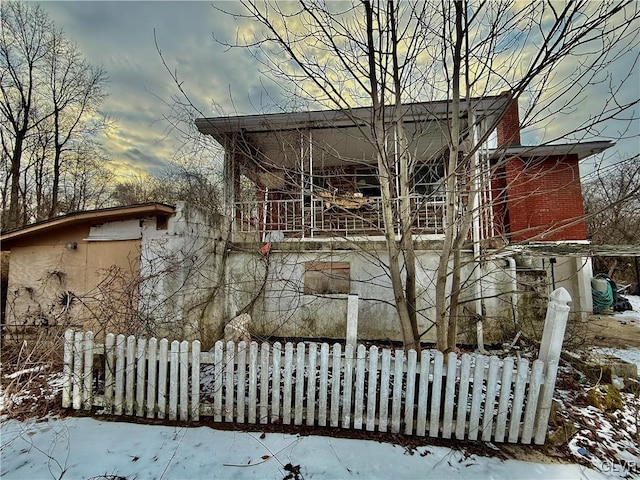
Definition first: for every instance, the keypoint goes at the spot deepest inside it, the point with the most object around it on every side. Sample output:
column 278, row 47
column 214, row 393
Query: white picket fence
column 471, row 396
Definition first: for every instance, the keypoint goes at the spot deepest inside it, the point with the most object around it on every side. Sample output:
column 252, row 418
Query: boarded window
column 326, row 277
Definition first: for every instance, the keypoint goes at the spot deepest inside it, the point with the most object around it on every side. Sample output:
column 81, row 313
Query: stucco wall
column 281, row 309
column 180, row 270
column 60, row 279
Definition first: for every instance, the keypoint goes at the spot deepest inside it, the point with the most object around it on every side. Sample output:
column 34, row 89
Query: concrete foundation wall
column 272, row 289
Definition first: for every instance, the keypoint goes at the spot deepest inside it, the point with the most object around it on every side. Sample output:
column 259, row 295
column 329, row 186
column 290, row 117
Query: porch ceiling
column 283, row 139
column 336, row 146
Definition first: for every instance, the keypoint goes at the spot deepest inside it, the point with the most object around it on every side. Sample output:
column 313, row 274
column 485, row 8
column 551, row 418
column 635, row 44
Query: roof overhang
column 581, row 150
column 93, row 217
column 221, row 128
column 338, row 137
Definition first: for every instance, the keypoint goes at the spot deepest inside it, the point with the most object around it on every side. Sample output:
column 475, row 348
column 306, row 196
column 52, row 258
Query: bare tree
column 23, row 47
column 50, row 97
column 612, row 203
column 385, row 55
column 75, row 90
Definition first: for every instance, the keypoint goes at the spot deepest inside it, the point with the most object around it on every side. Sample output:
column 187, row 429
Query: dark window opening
column 162, row 222
column 429, row 179
column 367, row 182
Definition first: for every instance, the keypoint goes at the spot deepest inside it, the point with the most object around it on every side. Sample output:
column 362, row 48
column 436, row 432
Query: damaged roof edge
column 100, row 216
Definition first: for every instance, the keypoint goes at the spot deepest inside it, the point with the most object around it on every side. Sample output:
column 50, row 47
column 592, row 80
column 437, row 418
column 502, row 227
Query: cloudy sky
column 120, row 37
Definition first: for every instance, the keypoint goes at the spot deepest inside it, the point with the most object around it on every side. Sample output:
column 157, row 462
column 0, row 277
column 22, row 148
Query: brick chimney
column 508, row 129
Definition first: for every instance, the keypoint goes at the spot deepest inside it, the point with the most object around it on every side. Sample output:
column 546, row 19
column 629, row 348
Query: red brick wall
column 508, row 130
column 545, row 199
column 499, row 200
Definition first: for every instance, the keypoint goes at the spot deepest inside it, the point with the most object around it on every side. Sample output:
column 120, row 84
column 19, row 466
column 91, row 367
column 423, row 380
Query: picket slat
column 230, row 355
column 286, row 393
column 242, row 381
column 545, row 402
column 503, row 403
column 436, row 394
column 335, row 385
column 476, row 397
column 173, row 379
column 385, row 378
column 109, row 366
column 130, row 375
column 67, row 369
column 183, row 396
column 323, row 385
column 77, row 371
column 195, row 381
column 492, row 383
column 87, row 373
column 218, row 365
column 141, row 376
column 311, row 384
column 263, row 407
column 275, row 383
column 163, row 366
column 518, row 400
column 152, row 353
column 532, row 401
column 348, row 384
column 410, row 391
column 396, row 397
column 372, row 388
column 449, row 393
column 120, row 363
column 358, row 403
column 299, row 394
column 253, row 382
column 463, row 395
column 423, row 394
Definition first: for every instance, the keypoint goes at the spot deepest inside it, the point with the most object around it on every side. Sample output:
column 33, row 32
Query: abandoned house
column 305, row 187
column 302, row 234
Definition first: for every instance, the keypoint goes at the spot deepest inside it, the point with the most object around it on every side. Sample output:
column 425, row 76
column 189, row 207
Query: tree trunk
column 14, row 204
column 451, row 233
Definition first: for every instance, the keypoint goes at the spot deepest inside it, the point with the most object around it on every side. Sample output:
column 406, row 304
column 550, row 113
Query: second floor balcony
column 318, row 217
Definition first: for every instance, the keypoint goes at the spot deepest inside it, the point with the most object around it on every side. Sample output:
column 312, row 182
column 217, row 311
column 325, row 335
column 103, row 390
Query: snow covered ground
column 90, row 449
column 632, row 354
column 634, row 314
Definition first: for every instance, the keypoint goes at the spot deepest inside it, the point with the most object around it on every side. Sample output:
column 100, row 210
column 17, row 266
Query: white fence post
column 555, row 325
column 352, row 321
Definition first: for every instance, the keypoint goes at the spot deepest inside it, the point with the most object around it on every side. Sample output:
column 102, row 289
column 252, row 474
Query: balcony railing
column 322, row 217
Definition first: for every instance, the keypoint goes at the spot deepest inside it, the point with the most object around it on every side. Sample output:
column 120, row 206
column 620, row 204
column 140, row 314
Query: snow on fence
column 470, row 396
